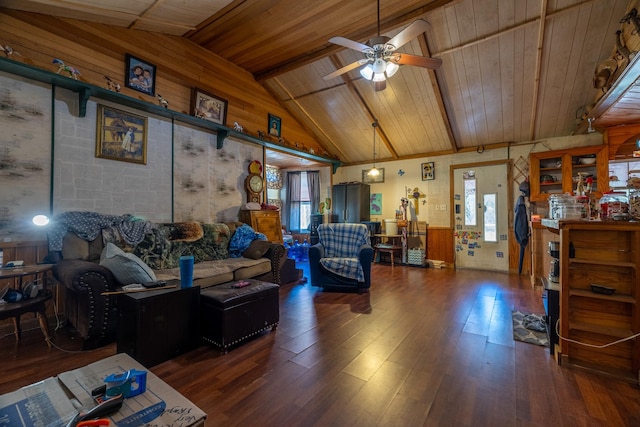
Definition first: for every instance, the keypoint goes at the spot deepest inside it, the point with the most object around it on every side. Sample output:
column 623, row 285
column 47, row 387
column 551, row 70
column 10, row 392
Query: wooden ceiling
column 512, row 71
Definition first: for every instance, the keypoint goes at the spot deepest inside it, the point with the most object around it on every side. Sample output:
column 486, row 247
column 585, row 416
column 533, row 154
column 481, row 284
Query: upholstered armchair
column 342, row 258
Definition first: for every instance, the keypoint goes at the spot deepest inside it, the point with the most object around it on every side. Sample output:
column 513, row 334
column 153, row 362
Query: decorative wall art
column 121, row 135
column 25, row 154
column 275, row 126
column 428, row 171
column 375, row 205
column 368, row 179
column 140, row 75
column 209, row 107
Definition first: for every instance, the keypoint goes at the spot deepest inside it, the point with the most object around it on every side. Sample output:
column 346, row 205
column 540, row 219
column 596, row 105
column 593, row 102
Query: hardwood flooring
column 426, row 347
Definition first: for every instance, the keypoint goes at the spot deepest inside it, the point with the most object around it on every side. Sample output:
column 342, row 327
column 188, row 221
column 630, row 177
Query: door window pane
column 490, row 218
column 470, row 216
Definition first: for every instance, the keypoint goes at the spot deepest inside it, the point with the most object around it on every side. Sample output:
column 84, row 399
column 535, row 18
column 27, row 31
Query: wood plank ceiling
column 512, row 71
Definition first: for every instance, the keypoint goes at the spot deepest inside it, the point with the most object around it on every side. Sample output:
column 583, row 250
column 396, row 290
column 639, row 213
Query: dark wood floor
column 424, row 347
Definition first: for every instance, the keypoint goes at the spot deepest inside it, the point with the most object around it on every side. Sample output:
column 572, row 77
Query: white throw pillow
column 126, row 267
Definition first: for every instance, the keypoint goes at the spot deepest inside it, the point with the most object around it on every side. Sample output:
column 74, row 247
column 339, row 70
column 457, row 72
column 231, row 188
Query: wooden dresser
column 264, row 221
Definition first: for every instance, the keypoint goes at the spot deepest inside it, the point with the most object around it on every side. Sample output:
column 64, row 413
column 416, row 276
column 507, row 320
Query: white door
column 481, row 217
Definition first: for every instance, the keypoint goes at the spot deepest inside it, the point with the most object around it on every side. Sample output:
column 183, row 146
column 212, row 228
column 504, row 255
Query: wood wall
column 99, row 50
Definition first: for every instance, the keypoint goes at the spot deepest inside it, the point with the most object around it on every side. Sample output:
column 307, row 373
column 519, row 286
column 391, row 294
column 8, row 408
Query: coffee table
column 32, row 305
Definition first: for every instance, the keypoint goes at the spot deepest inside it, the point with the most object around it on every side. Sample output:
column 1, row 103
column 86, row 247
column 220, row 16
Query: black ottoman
column 229, row 315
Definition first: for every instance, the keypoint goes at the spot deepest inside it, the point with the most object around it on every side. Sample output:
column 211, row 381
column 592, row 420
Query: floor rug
column 529, row 328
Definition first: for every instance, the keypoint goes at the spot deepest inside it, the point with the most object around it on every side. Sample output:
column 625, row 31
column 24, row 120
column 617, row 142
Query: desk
column 388, row 243
column 33, row 305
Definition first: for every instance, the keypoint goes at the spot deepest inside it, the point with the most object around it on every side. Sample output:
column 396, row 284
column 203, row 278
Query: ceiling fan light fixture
column 367, row 72
column 392, row 67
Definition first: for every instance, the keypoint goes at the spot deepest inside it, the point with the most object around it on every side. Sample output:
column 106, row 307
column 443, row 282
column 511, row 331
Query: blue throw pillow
column 241, row 240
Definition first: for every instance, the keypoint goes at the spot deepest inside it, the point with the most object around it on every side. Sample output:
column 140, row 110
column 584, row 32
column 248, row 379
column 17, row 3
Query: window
column 470, row 216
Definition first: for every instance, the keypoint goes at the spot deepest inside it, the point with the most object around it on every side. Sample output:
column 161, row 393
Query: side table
column 157, row 325
column 33, row 305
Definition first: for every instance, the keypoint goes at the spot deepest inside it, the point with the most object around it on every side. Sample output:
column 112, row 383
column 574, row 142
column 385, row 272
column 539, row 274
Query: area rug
column 529, row 328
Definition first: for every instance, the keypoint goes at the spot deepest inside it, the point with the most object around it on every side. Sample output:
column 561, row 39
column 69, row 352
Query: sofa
column 89, row 268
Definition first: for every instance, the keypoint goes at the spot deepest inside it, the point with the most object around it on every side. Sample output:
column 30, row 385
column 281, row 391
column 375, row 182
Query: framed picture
column 121, row 135
column 140, row 75
column 375, row 204
column 368, row 179
column 275, row 126
column 428, row 171
column 209, row 107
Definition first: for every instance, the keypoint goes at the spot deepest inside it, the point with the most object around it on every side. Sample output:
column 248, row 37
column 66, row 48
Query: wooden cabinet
column 351, row 203
column 266, row 222
column 553, row 172
column 606, row 254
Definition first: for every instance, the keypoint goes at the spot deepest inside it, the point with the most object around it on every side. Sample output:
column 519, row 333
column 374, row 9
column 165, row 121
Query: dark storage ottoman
column 230, row 315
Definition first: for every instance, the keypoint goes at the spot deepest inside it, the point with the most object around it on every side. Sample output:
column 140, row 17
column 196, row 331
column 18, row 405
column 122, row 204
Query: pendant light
column 374, row 171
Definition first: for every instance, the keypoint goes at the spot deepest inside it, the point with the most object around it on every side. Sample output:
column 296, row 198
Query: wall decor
column 375, row 205
column 275, row 126
column 368, row 179
column 140, row 75
column 121, row 135
column 428, row 171
column 209, row 107
column 25, row 155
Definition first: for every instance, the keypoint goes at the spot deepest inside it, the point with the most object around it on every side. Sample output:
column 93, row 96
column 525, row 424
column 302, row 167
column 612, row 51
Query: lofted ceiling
column 512, row 71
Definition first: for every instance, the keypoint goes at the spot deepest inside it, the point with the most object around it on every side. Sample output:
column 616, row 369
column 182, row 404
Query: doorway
column 481, row 203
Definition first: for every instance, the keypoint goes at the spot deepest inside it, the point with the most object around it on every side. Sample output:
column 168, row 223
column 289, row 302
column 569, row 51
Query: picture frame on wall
column 428, row 171
column 208, row 106
column 275, row 126
column 121, row 135
column 140, row 75
column 368, row 179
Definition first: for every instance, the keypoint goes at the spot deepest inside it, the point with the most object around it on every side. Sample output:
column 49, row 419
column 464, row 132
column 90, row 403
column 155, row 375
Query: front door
column 481, row 216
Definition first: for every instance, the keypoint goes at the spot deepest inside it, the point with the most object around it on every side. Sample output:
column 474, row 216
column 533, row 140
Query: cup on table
column 186, row 271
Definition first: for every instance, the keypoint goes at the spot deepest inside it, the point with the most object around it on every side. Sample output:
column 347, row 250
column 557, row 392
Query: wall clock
column 254, row 183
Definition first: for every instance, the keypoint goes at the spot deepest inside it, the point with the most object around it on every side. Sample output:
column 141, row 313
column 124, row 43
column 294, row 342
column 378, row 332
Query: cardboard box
column 158, row 405
column 54, row 401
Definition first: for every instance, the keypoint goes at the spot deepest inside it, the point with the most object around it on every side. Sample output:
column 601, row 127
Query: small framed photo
column 428, row 171
column 121, row 135
column 140, row 75
column 209, row 107
column 275, row 126
column 368, row 179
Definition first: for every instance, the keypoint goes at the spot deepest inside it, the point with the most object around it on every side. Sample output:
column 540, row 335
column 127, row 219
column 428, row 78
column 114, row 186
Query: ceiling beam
column 365, row 33
column 307, row 115
column 353, row 89
column 433, row 78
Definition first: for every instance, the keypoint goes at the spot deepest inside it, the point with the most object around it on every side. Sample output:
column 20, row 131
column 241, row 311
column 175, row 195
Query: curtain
column 313, row 183
column 293, row 201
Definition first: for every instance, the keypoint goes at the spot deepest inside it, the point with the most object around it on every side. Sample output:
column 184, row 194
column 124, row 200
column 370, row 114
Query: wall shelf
column 87, row 90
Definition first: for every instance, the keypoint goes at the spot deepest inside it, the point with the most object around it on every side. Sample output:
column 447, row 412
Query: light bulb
column 373, row 172
column 367, row 72
column 40, row 220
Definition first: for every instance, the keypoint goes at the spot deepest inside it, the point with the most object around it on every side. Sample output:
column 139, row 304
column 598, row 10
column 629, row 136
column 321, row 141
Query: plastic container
column 391, row 227
column 614, row 206
column 571, row 211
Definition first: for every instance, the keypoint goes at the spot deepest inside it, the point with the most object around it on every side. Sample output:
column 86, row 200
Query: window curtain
column 313, row 183
column 293, row 201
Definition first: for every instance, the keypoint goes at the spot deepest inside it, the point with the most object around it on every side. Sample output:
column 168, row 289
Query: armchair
column 342, row 258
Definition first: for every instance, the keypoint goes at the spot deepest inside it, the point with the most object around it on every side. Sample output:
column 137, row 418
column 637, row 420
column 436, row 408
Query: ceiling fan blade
column 346, row 68
column 419, row 61
column 378, row 86
column 349, row 44
column 418, row 26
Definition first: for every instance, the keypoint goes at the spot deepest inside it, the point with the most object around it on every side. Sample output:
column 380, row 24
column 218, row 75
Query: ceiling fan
column 380, row 56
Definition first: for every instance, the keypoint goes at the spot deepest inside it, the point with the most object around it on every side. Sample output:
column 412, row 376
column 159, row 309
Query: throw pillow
column 126, row 267
column 257, row 249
